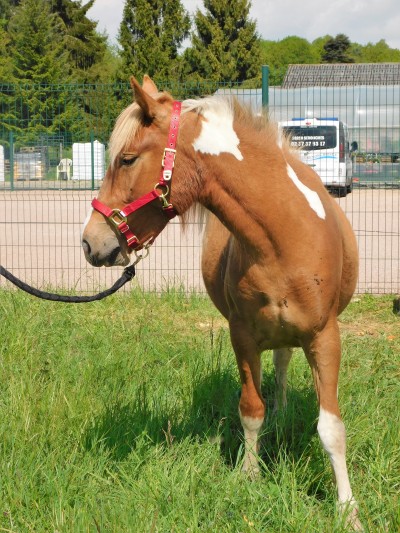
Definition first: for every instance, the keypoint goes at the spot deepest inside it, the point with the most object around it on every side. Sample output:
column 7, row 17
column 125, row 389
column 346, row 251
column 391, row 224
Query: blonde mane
column 125, row 129
column 130, row 120
column 223, row 105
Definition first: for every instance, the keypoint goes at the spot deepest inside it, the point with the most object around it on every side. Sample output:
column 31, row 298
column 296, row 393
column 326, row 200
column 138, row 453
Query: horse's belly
column 277, row 328
column 276, row 321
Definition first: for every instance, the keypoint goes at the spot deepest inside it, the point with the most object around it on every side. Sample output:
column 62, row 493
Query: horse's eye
column 128, row 161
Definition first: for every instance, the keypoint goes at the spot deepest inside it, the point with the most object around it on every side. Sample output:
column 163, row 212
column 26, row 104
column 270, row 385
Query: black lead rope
column 127, row 275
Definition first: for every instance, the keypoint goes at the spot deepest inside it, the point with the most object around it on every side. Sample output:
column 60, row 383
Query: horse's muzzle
column 110, row 258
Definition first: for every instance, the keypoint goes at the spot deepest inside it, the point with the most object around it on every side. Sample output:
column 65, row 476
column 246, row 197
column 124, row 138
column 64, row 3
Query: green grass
column 121, row 416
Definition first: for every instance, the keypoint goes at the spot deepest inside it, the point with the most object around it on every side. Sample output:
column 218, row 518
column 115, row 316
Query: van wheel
column 349, row 188
column 342, row 192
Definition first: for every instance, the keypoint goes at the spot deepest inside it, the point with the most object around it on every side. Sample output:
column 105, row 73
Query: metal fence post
column 265, row 85
column 11, row 138
column 92, row 157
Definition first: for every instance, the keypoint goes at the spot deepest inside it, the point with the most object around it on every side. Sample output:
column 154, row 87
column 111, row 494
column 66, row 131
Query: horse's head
column 133, row 205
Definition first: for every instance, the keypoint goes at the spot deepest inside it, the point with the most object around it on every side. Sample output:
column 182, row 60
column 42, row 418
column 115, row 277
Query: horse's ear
column 148, row 85
column 149, row 105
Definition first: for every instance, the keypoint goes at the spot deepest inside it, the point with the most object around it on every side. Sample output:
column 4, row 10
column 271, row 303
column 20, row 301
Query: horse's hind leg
column 323, row 354
column 281, row 359
column 251, row 405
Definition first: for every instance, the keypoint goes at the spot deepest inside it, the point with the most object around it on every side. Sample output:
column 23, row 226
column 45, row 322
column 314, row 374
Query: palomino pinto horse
column 279, row 259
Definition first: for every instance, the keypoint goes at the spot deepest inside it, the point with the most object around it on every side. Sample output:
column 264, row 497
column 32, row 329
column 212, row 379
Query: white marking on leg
column 311, row 196
column 332, row 433
column 333, row 437
column 217, row 134
column 251, row 428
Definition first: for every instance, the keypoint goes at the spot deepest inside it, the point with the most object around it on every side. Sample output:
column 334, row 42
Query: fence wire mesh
column 54, row 152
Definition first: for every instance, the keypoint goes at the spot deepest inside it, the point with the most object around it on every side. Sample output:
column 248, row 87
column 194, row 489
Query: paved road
column 40, row 242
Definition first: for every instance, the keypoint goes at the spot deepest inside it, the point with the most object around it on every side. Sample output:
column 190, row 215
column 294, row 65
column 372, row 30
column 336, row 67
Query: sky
column 363, row 21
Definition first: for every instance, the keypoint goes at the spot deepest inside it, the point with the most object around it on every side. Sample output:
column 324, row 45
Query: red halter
column 119, row 217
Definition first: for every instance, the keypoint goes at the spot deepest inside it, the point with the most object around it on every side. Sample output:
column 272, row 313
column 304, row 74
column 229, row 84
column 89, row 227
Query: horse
column 279, row 257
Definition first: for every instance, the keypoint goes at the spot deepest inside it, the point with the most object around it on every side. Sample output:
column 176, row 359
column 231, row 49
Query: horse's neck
column 234, row 176
column 244, row 203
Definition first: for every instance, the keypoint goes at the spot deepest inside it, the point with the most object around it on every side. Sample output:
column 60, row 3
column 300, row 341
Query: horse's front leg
column 323, row 354
column 251, row 405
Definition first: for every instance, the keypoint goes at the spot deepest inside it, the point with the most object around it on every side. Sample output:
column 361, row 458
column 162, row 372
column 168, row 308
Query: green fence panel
column 54, row 141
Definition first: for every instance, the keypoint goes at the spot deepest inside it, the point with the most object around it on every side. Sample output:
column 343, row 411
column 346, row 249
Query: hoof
column 251, row 470
column 350, row 513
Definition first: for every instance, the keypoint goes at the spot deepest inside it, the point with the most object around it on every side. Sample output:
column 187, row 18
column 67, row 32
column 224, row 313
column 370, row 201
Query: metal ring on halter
column 162, row 196
column 140, row 256
column 145, row 251
column 159, row 186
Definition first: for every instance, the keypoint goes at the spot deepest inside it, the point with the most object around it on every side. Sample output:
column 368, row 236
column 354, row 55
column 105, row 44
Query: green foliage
column 5, row 59
column 295, row 50
column 150, row 35
column 291, row 50
column 85, row 50
column 46, row 46
column 336, row 50
column 36, row 46
column 114, row 419
column 379, row 52
column 86, row 47
column 38, row 59
column 7, row 8
column 225, row 45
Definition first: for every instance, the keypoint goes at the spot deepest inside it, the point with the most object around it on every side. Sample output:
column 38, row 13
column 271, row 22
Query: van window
column 311, row 138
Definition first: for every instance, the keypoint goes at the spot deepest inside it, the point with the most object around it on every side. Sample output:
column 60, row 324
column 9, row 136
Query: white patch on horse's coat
column 85, row 223
column 217, row 135
column 311, row 196
column 333, row 437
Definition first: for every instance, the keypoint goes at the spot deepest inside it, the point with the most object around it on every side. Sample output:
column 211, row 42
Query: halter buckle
column 169, row 153
column 117, row 217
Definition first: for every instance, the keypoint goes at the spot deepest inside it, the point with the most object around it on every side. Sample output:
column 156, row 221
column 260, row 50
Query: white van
column 324, row 145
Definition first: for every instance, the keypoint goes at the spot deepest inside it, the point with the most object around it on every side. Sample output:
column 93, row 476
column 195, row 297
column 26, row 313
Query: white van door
column 324, row 147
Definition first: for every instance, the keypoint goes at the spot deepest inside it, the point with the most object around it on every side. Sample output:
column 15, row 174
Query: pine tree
column 39, row 59
column 225, row 45
column 86, row 47
column 150, row 35
column 7, row 8
column 37, row 47
column 336, row 50
column 5, row 60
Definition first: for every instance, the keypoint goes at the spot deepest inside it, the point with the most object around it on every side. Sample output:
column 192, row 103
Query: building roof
column 341, row 74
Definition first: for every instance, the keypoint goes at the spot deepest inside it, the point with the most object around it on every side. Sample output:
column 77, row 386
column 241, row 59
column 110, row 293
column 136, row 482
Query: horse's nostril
column 86, row 247
column 113, row 255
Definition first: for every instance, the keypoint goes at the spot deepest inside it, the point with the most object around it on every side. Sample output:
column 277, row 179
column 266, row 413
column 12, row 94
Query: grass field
column 121, row 416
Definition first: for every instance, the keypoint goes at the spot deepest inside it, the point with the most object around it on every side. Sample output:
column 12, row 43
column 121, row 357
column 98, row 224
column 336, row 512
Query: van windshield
column 311, row 138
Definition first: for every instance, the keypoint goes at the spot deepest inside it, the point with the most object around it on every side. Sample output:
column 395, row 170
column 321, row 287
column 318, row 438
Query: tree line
column 48, row 42
column 54, row 41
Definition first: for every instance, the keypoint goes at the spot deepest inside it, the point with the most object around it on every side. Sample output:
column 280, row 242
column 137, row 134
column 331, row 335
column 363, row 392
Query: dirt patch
column 376, row 320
